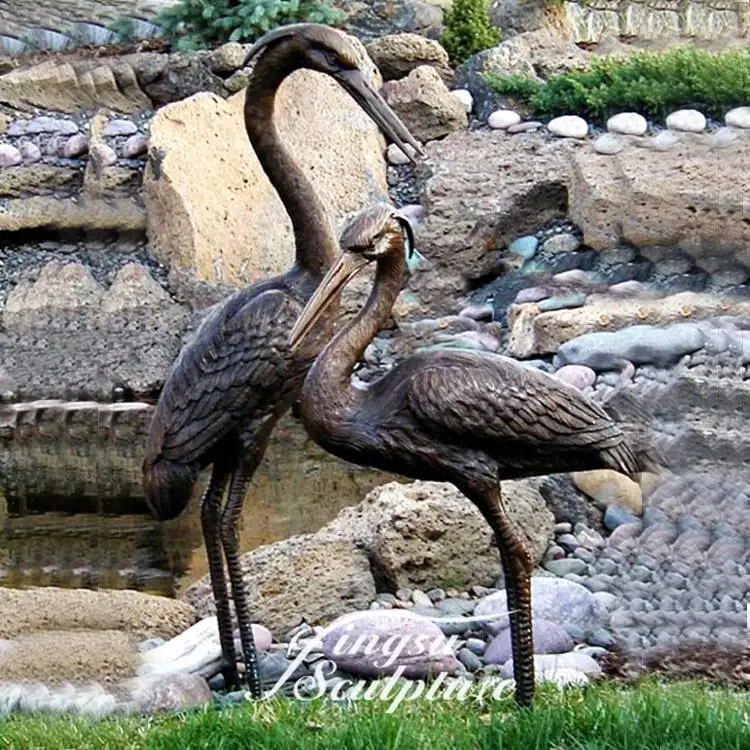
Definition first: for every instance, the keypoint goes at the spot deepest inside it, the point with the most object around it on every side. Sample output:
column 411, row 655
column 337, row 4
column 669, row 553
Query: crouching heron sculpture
column 229, row 387
column 466, row 417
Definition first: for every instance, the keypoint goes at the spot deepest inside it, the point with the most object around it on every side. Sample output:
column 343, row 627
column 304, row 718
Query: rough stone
column 498, row 61
column 661, row 199
column 362, row 643
column 131, row 612
column 429, row 534
column 396, row 55
column 60, row 86
column 312, row 577
column 607, row 487
column 227, row 58
column 460, row 243
column 202, row 141
column 425, row 105
column 76, row 652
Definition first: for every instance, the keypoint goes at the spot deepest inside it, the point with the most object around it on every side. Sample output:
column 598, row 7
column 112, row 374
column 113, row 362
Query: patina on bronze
column 229, row 387
column 466, row 417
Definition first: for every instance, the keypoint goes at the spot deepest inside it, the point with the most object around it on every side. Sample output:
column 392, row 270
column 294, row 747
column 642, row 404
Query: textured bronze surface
column 459, row 416
column 232, row 383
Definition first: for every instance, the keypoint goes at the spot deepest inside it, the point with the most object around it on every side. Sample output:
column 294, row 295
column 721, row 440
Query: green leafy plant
column 468, row 29
column 652, row 84
column 195, row 24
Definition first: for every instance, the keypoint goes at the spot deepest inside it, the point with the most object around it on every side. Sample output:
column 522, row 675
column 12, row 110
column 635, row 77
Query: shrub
column 192, row 24
column 652, row 84
column 468, row 29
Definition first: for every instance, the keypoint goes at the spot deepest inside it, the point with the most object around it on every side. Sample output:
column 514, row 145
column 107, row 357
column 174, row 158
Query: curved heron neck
column 333, row 369
column 315, row 243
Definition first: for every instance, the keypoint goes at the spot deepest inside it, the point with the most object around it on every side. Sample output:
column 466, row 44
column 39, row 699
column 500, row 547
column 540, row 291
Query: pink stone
column 579, row 376
column 574, row 276
column 363, row 643
column 10, row 156
column 531, row 294
column 136, row 145
column 76, row 145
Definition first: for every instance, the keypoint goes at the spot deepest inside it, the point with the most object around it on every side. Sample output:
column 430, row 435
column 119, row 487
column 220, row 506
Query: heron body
column 230, row 385
column 466, row 417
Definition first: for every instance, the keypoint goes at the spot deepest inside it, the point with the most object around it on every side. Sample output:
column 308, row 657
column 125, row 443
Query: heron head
column 376, row 232
column 326, row 50
column 372, row 235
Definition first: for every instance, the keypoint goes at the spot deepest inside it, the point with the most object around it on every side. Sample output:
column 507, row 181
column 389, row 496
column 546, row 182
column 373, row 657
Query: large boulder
column 64, row 86
column 483, row 190
column 428, row 534
column 378, row 18
column 538, row 53
column 211, row 208
column 691, row 196
column 65, row 336
column 425, row 105
column 396, row 55
column 312, row 577
column 132, row 612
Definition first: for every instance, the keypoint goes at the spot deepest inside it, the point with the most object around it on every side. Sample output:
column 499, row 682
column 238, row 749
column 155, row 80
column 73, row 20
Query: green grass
column 653, row 84
column 679, row 716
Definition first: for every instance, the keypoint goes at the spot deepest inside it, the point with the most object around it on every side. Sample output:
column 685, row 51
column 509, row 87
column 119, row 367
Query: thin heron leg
column 230, row 541
column 516, row 569
column 210, row 521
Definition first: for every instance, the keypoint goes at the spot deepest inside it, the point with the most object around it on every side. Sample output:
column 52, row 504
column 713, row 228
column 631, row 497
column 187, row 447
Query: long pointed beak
column 342, row 272
column 375, row 106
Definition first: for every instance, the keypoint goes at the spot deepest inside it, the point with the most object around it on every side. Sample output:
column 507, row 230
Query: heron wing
column 491, row 399
column 234, row 369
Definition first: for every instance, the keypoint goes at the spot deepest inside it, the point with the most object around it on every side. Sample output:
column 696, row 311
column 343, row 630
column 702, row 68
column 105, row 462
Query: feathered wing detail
column 493, row 401
column 235, row 369
column 228, row 372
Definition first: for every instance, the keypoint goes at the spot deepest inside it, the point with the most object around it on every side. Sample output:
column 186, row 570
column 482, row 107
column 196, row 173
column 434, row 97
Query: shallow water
column 72, row 512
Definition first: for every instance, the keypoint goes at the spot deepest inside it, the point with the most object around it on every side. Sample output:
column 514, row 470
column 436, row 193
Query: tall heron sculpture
column 231, row 384
column 466, row 417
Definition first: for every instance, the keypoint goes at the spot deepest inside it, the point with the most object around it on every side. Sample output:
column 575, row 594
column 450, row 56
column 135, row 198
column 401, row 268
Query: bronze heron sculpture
column 231, row 384
column 466, row 417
